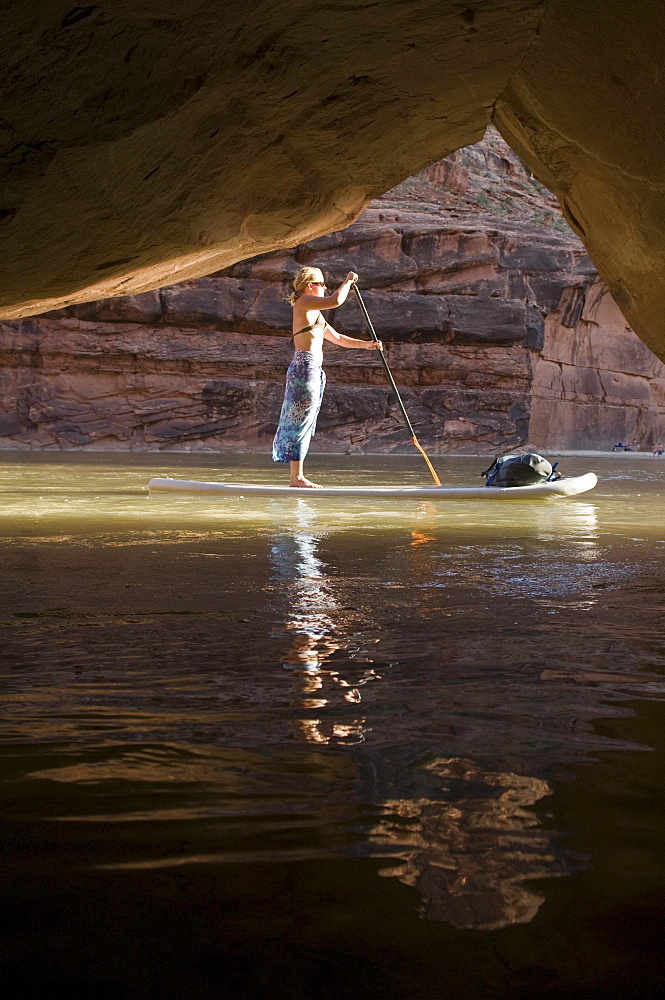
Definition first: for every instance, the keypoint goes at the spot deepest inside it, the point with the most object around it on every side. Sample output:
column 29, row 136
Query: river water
column 292, row 749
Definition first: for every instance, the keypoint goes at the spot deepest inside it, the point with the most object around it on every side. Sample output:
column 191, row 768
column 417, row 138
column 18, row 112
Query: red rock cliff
column 497, row 328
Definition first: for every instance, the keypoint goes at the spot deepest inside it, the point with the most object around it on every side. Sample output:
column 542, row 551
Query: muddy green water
column 277, row 748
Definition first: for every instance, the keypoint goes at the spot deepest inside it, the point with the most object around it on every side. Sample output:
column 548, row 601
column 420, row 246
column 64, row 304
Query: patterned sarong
column 305, row 382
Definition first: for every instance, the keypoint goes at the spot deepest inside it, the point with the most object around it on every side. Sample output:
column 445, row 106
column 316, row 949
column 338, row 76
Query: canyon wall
column 497, row 328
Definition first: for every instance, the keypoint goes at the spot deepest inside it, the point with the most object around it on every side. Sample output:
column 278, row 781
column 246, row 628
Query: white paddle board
column 541, row 491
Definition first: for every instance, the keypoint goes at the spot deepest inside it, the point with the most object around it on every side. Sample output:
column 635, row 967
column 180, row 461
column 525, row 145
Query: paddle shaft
column 414, row 439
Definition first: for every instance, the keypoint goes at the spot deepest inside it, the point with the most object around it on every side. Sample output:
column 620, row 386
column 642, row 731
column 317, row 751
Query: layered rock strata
column 499, row 333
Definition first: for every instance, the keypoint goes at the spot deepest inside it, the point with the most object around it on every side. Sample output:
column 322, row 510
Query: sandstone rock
column 585, row 112
column 497, row 328
column 448, row 174
column 594, row 383
column 141, row 146
column 146, row 308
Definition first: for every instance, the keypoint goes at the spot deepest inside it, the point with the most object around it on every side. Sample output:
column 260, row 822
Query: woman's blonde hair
column 302, row 280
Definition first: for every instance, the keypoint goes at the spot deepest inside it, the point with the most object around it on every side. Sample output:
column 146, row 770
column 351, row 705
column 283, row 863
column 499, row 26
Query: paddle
column 414, row 439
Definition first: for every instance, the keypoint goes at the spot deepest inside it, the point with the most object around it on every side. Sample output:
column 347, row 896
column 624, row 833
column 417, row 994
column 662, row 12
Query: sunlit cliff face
column 144, row 146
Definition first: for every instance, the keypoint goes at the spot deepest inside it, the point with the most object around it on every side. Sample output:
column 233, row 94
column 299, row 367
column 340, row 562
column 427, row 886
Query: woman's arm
column 338, row 338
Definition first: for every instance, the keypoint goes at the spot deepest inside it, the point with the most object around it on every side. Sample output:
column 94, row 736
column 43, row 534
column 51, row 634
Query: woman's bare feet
column 298, row 478
column 304, row 484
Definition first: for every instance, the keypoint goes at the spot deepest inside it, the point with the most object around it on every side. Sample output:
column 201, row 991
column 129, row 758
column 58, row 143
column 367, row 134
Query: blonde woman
column 305, row 378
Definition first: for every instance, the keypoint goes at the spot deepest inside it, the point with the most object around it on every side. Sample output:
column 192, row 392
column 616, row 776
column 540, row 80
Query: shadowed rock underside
column 146, row 144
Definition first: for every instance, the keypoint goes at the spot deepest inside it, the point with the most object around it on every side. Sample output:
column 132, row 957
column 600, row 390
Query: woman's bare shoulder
column 308, row 301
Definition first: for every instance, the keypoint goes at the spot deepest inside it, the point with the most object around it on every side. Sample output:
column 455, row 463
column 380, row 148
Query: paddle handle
column 383, row 359
column 414, row 439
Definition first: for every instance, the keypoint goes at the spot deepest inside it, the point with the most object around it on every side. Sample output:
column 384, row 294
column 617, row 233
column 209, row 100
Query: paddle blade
column 429, row 464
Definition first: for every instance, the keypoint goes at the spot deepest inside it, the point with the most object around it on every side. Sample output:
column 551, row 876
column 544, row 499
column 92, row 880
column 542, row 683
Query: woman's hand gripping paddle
column 414, row 439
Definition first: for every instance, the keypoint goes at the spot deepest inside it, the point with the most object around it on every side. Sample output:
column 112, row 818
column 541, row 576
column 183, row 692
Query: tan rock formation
column 498, row 330
column 141, row 145
column 144, row 145
column 585, row 110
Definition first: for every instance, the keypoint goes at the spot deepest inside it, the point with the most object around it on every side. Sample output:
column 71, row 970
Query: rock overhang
column 144, row 144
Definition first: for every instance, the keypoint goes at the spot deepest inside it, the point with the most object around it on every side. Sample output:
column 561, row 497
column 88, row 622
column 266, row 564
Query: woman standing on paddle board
column 305, row 378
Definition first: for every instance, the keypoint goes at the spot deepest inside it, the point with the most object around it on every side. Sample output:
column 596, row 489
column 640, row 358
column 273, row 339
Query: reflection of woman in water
column 305, row 378
column 316, row 627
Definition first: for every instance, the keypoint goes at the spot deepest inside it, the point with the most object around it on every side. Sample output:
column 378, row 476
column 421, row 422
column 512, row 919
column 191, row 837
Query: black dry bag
column 520, row 470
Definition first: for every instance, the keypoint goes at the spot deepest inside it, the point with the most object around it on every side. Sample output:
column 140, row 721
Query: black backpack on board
column 520, row 470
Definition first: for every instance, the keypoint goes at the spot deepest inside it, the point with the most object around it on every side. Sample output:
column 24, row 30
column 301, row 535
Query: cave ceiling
column 143, row 142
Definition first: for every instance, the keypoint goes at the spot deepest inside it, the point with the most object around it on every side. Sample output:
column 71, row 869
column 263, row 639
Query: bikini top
column 306, row 329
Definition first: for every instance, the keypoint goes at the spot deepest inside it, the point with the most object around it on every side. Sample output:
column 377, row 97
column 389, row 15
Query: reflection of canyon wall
column 497, row 327
column 470, row 854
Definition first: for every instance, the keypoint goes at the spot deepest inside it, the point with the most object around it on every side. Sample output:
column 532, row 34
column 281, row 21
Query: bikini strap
column 306, row 329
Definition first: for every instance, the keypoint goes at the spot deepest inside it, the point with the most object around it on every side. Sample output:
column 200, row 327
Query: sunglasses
column 322, row 284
